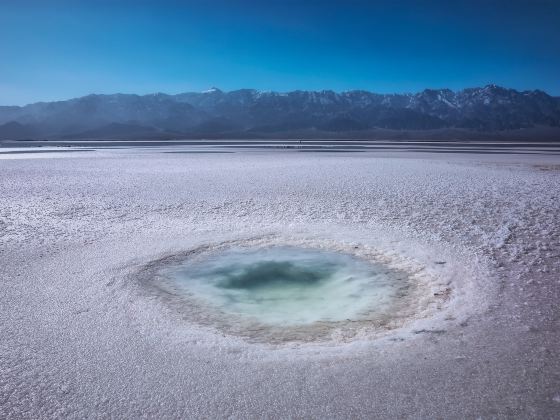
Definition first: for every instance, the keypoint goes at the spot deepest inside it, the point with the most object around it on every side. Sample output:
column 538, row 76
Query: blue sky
column 61, row 49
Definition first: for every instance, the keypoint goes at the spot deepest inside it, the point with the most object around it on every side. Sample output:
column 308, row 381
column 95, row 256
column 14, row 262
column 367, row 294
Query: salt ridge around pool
column 274, row 289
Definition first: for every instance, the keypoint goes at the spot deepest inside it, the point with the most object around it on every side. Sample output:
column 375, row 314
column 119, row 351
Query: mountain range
column 251, row 113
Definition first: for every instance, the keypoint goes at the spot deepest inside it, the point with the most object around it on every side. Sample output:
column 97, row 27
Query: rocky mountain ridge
column 219, row 114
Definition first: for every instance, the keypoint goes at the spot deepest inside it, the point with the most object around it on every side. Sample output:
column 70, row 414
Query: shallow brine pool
column 287, row 285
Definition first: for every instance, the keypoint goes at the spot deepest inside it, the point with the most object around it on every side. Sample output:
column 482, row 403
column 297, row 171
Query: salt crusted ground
column 80, row 337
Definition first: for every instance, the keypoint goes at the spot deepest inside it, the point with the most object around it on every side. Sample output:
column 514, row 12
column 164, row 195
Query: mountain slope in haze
column 250, row 112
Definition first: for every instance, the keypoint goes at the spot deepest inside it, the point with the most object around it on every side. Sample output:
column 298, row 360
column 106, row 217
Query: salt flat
column 82, row 337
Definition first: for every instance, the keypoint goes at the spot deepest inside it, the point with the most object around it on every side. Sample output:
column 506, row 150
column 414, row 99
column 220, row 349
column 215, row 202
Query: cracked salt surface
column 84, row 335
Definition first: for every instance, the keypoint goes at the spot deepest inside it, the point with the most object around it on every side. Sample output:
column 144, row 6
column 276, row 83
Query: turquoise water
column 287, row 285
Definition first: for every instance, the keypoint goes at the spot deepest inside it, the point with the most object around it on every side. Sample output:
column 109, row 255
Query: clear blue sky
column 60, row 49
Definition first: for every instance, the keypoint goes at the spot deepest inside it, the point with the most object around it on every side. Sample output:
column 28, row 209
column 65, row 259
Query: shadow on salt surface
column 331, row 151
column 199, row 151
column 13, row 152
column 43, row 154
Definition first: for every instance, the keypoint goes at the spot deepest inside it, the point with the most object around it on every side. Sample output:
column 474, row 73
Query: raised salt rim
column 345, row 291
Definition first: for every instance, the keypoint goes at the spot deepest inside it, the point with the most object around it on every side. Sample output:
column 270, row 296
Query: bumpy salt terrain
column 451, row 310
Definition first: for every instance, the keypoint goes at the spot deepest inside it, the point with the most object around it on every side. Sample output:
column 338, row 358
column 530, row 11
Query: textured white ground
column 81, row 338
